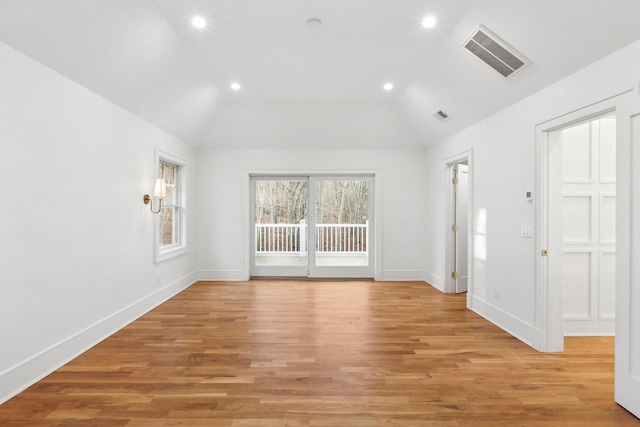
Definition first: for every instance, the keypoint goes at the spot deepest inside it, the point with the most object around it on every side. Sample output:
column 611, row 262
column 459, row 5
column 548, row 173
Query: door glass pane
column 342, row 225
column 281, row 223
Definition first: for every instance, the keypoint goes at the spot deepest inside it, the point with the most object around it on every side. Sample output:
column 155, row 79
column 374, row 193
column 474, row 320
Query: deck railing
column 287, row 239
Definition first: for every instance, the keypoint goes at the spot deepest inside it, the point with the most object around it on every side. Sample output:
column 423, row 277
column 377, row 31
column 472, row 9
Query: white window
column 171, row 227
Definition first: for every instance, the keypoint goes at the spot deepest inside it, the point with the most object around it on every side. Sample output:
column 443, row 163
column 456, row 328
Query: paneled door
column 587, row 214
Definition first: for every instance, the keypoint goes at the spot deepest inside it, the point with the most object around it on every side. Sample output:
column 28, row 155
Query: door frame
column 375, row 229
column 465, row 157
column 548, row 295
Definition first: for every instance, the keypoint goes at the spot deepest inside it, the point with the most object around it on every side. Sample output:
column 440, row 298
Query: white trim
column 519, row 329
column 401, row 276
column 377, row 223
column 434, row 280
column 223, row 275
column 381, row 276
column 26, row 373
column 180, row 248
column 591, row 334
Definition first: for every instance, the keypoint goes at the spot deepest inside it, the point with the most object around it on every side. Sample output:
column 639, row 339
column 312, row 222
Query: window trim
column 179, row 248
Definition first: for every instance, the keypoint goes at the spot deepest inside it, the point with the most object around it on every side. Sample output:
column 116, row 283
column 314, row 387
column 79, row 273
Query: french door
column 312, row 226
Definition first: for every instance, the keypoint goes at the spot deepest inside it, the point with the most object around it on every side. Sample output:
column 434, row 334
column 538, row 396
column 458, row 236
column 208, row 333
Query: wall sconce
column 160, row 192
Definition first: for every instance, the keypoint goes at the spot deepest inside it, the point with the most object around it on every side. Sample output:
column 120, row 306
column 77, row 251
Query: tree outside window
column 169, row 215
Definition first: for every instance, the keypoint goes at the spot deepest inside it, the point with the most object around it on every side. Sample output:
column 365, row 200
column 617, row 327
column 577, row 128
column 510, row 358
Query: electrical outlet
column 526, row 231
column 496, row 293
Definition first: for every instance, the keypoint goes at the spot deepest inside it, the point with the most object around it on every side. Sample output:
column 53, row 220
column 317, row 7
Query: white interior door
column 627, row 366
column 457, row 225
column 583, row 210
column 461, row 227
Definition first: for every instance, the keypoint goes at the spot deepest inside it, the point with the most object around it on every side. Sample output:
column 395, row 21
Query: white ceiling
column 305, row 87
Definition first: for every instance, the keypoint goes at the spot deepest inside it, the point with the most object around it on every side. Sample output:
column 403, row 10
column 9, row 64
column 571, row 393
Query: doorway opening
column 312, row 226
column 457, row 224
column 549, row 298
column 582, row 223
column 577, row 222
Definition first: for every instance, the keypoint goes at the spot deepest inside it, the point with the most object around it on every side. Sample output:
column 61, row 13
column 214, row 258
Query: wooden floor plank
column 322, row 354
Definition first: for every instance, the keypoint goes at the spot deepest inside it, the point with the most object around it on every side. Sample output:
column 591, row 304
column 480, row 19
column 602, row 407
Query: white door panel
column 462, row 232
column 587, row 225
column 627, row 366
column 607, row 289
column 577, row 218
column 576, row 276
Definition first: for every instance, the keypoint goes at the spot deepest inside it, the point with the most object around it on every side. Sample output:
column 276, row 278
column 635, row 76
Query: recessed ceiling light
column 429, row 22
column 198, row 22
column 235, row 86
column 314, row 23
column 388, row 86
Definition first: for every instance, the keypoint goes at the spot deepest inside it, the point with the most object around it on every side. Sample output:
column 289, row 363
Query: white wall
column 76, row 241
column 326, row 126
column 223, row 251
column 503, row 169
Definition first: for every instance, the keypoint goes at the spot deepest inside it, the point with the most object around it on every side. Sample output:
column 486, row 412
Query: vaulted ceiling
column 311, row 86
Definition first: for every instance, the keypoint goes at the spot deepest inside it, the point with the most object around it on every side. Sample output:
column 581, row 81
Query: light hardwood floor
column 319, row 354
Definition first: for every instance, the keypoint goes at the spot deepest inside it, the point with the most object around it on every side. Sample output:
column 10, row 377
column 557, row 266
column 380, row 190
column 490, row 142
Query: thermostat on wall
column 529, row 195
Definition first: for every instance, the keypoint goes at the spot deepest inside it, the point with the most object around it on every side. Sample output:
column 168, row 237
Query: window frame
column 178, row 248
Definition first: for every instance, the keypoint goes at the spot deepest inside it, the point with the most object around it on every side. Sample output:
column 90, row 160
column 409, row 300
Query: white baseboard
column 505, row 321
column 223, row 275
column 401, row 275
column 240, row 275
column 26, row 373
column 590, row 334
column 434, row 280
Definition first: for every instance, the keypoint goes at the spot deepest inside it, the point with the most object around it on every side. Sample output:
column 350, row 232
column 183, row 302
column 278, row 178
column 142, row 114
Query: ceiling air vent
column 441, row 115
column 495, row 52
